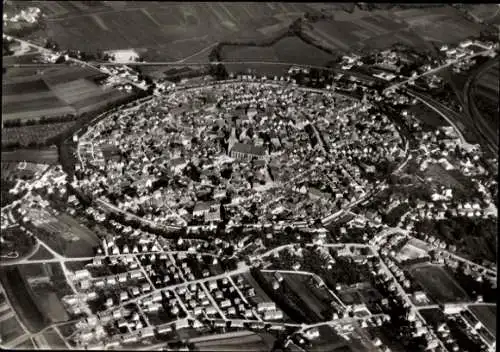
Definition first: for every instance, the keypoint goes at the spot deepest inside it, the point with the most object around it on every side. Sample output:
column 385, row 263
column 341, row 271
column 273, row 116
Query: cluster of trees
column 474, row 288
column 399, row 328
column 16, row 240
column 286, row 299
column 99, row 55
column 475, row 237
column 6, row 197
column 218, row 71
column 44, row 120
column 23, row 29
column 6, row 51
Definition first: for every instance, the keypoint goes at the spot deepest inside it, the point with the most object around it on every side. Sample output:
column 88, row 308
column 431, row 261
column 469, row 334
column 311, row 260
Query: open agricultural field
column 249, row 53
column 288, row 49
column 382, row 28
column 34, row 86
column 10, row 329
column 41, row 156
column 24, row 305
column 169, row 31
column 25, row 345
column 487, row 13
column 484, row 99
column 487, row 315
column 28, row 135
column 53, row 339
column 269, row 70
column 77, row 90
column 45, row 285
column 67, row 237
column 233, row 341
column 443, row 24
column 50, row 305
column 20, row 59
column 70, row 74
column 54, row 92
column 43, row 105
column 99, row 101
column 41, row 253
column 438, row 284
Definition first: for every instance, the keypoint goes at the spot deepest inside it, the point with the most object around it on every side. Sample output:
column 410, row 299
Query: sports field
column 438, row 284
column 487, row 315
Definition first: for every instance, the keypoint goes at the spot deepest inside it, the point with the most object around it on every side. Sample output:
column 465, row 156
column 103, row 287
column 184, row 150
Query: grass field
column 438, row 284
column 316, row 299
column 42, row 156
column 244, row 340
column 427, row 116
column 53, row 339
column 49, row 304
column 41, row 253
column 487, row 315
column 10, row 329
column 260, row 295
column 449, row 178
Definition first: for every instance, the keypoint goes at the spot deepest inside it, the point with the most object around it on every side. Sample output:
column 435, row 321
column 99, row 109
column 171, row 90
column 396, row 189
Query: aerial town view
column 249, row 176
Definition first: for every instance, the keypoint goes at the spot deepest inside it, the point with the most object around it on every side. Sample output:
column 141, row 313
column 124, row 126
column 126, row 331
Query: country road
column 439, row 68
